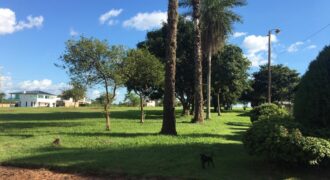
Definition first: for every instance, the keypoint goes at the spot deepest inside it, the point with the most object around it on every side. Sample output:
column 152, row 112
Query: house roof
column 33, row 92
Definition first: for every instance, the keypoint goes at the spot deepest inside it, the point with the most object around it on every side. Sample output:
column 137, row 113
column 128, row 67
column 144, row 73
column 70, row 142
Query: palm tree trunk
column 168, row 126
column 198, row 115
column 209, row 58
column 141, row 106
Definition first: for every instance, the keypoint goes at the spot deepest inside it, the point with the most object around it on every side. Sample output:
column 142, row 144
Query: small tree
column 145, row 73
column 131, row 99
column 2, row 96
column 229, row 75
column 77, row 92
column 93, row 62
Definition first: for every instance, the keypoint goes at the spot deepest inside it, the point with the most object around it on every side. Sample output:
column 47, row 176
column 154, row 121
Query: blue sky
column 32, row 34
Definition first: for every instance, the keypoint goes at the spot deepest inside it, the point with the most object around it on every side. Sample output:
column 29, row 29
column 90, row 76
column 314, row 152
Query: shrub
column 280, row 139
column 312, row 99
column 267, row 111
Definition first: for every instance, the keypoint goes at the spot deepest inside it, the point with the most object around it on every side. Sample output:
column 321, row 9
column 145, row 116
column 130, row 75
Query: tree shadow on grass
column 160, row 161
column 115, row 114
column 27, row 125
column 242, row 124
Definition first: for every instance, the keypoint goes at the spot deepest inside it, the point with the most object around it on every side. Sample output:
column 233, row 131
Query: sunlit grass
column 130, row 148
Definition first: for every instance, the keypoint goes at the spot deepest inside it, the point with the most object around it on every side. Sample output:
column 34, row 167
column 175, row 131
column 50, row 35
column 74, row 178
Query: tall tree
column 145, row 74
column 198, row 97
column 229, row 75
column 168, row 126
column 284, row 84
column 155, row 43
column 217, row 19
column 93, row 62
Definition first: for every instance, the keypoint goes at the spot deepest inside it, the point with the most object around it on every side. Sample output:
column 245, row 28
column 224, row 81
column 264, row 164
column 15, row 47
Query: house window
column 26, row 104
column 46, row 97
column 40, row 96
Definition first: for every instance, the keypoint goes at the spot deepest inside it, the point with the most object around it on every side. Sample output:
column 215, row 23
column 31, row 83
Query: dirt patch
column 12, row 173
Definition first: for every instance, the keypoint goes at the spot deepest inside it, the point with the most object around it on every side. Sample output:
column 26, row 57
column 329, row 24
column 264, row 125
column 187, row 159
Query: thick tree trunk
column 209, row 59
column 141, row 106
column 198, row 115
column 168, row 126
column 219, row 106
column 106, row 107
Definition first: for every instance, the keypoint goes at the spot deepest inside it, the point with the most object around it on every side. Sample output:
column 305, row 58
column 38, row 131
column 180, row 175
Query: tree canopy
column 284, row 84
column 229, row 74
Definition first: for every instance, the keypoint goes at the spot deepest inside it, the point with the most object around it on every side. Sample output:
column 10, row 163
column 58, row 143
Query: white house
column 34, row 99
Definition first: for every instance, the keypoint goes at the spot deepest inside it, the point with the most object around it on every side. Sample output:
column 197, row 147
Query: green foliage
column 312, row 100
column 155, row 43
column 2, row 97
column 144, row 72
column 77, row 92
column 131, row 99
column 229, row 74
column 267, row 111
column 284, row 84
column 280, row 139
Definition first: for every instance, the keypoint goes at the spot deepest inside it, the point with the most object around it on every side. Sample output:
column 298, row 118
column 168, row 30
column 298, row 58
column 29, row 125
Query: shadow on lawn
column 162, row 161
column 115, row 114
column 236, row 136
column 155, row 160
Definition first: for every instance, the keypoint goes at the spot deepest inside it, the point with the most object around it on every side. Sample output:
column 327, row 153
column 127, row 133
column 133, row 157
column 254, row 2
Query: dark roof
column 33, row 92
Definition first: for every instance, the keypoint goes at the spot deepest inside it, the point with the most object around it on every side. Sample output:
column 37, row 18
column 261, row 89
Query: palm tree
column 198, row 97
column 217, row 19
column 168, row 126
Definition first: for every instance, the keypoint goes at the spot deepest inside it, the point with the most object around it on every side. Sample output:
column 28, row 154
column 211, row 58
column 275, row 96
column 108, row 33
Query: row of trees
column 177, row 48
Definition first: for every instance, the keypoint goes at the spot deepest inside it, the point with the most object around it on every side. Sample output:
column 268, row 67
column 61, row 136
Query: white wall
column 31, row 100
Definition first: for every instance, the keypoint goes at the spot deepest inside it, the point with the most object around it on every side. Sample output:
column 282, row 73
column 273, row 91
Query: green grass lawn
column 133, row 149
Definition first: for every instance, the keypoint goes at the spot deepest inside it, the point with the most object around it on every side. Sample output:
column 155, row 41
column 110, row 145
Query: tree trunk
column 168, row 126
column 186, row 109
column 219, row 106
column 141, row 106
column 106, row 107
column 198, row 115
column 209, row 58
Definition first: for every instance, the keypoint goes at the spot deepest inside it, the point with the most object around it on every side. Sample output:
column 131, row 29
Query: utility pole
column 269, row 69
column 269, row 94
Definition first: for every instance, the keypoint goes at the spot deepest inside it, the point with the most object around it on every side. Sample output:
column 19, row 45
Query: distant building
column 71, row 103
column 150, row 103
column 34, row 99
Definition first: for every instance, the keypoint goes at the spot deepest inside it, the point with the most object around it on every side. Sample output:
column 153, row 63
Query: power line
column 309, row 37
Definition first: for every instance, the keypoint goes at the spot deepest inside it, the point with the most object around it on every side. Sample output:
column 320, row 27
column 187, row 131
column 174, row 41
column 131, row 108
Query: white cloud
column 8, row 23
column 295, row 46
column 73, row 32
column 256, row 48
column 106, row 17
column 146, row 21
column 311, row 46
column 239, row 34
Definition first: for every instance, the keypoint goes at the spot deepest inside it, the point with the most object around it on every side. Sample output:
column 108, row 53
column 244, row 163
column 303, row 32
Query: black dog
column 207, row 160
column 57, row 142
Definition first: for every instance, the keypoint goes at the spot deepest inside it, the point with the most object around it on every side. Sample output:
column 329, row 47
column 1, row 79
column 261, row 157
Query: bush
column 267, row 111
column 281, row 140
column 312, row 99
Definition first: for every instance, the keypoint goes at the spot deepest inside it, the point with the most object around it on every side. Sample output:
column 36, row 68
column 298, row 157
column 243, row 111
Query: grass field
column 132, row 149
